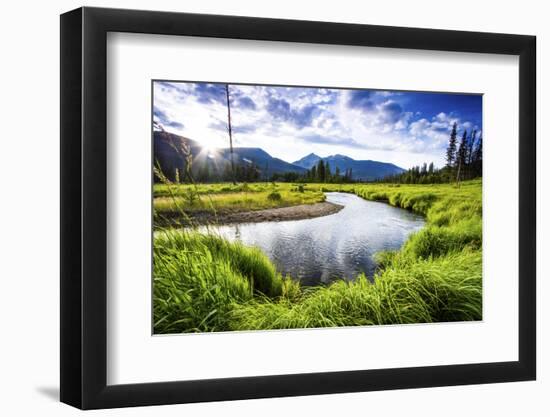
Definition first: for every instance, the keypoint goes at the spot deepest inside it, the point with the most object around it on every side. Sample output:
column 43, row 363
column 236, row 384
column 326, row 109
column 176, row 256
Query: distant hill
column 264, row 161
column 308, row 161
column 171, row 152
column 365, row 170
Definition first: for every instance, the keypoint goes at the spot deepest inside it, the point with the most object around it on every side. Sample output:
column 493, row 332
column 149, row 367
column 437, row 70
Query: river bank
column 298, row 212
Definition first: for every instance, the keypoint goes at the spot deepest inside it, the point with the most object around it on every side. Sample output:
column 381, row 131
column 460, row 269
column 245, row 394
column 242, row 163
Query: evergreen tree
column 478, row 154
column 424, row 170
column 328, row 175
column 478, row 158
column 321, row 171
column 461, row 156
column 204, row 173
column 227, row 172
column 471, row 144
column 337, row 175
column 451, row 149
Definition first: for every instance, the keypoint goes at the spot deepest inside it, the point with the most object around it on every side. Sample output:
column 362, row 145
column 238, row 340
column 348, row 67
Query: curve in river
column 340, row 245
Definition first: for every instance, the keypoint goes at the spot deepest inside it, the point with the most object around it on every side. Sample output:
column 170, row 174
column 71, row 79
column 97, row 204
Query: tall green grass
column 198, row 278
column 205, row 283
column 433, row 290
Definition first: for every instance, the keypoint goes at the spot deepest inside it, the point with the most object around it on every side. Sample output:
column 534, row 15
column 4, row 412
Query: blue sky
column 405, row 128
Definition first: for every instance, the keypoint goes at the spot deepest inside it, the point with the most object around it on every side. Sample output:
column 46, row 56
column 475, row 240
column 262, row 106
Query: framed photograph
column 256, row 208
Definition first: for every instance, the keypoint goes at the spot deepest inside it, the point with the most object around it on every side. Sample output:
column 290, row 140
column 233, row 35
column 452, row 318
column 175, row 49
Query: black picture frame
column 84, row 207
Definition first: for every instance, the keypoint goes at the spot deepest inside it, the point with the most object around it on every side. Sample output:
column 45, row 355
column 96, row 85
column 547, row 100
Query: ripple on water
column 341, row 245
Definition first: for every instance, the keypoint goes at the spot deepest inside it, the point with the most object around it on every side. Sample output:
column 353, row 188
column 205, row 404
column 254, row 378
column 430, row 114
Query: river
column 323, row 249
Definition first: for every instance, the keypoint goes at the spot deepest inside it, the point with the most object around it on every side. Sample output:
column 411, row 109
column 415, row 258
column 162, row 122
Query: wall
column 29, row 101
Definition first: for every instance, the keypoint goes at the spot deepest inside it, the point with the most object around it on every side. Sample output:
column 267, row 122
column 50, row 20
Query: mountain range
column 171, row 151
column 365, row 170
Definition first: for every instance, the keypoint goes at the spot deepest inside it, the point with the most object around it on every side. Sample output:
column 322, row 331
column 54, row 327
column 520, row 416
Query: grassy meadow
column 186, row 200
column 203, row 283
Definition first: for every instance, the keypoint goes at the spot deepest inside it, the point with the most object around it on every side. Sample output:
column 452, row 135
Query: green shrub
column 274, row 196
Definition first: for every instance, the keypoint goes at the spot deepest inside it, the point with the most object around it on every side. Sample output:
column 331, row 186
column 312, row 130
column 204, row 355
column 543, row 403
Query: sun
column 208, row 150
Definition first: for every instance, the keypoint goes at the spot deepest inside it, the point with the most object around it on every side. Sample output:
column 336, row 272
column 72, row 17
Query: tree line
column 420, row 174
column 207, row 172
column 319, row 173
column 251, row 172
column 464, row 161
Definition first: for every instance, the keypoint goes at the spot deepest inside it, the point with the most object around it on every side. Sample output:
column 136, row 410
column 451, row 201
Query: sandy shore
column 303, row 211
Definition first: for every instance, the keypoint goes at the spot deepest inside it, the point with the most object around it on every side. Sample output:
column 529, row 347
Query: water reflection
column 341, row 245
